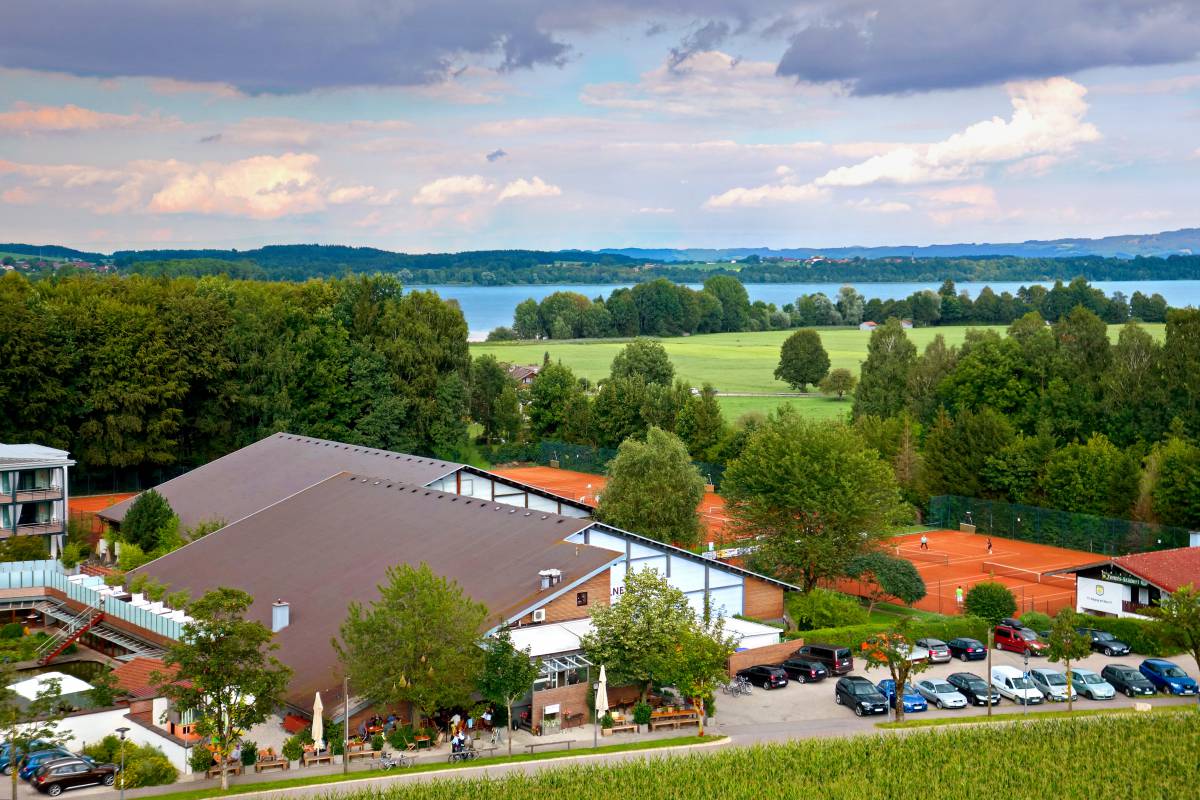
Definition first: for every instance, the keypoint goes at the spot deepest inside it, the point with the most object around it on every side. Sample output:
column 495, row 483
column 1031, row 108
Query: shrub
column 377, row 742
column 71, row 555
column 115, row 579
column 146, row 766
column 607, row 720
column 400, row 738
column 249, row 753
column 823, row 608
column 200, row 759
column 500, row 714
column 1036, row 620
column 853, row 636
column 642, row 713
column 292, row 748
column 13, row 630
column 990, row 601
column 149, row 514
column 1142, row 636
column 107, row 750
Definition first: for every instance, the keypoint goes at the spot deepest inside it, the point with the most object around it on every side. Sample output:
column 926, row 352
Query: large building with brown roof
column 1125, row 586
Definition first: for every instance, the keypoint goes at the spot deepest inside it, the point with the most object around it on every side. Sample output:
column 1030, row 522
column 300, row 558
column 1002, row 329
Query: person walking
column 989, row 545
column 958, row 596
column 924, row 542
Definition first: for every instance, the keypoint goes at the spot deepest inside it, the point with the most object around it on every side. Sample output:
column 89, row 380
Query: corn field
column 1148, row 757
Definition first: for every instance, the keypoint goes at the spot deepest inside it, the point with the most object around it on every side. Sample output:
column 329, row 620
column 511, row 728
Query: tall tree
column 702, row 660
column 735, row 302
column 25, row 724
column 645, row 359
column 1066, row 644
column 889, row 577
column 813, row 493
column 418, row 643
column 507, row 674
column 850, row 305
column 1176, row 491
column 802, row 360
column 1178, row 617
column 488, row 381
column 527, row 324
column 884, row 375
column 701, row 425
column 1181, row 354
column 1092, row 478
column 550, row 396
column 654, row 489
column 617, row 410
column 221, row 671
column 148, row 516
column 957, row 450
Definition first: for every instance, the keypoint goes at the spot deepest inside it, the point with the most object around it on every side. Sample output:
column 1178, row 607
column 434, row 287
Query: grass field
column 732, row 362
column 1059, row 759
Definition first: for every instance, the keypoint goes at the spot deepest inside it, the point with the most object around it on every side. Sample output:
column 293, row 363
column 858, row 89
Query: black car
column 804, row 670
column 837, row 660
column 1105, row 642
column 1128, row 680
column 860, row 694
column 56, row 776
column 974, row 688
column 967, row 649
column 765, row 675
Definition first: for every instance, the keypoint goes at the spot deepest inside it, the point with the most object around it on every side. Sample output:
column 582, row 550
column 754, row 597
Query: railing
column 39, row 528
column 34, row 495
column 1134, row 607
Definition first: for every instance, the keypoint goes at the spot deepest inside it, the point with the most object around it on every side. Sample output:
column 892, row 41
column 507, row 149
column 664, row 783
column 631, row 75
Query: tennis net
column 915, row 554
column 996, row 569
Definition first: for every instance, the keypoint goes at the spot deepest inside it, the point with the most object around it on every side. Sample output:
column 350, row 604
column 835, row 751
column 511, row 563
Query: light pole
column 595, row 718
column 121, row 775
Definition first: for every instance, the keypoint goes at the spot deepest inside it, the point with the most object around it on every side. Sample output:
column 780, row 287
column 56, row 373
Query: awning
column 564, row 663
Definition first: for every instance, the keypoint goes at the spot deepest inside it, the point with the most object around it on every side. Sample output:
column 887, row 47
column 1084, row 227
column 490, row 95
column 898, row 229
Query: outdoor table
column 422, row 742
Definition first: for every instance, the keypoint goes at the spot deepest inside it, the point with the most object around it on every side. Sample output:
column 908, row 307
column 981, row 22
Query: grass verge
column 940, row 722
column 316, row 780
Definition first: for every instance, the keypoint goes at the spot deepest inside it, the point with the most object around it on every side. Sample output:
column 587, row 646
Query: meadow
column 733, row 362
column 1159, row 753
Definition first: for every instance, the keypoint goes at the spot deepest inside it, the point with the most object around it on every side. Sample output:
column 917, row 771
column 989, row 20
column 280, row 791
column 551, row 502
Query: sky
column 463, row 125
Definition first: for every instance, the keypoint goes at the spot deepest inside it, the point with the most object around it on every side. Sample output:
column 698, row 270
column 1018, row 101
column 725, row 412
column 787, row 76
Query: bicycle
column 396, row 760
column 466, row 754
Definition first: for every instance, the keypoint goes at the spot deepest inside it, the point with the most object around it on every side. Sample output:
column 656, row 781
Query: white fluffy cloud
column 262, row 187
column 27, row 118
column 528, row 188
column 768, row 195
column 455, row 188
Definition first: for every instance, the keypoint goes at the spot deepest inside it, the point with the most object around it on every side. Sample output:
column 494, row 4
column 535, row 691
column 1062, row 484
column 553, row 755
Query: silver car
column 1052, row 683
column 941, row 694
column 939, row 651
column 1089, row 684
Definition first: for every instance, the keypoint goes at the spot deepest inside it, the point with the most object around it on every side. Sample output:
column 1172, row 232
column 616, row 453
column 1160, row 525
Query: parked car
column 6, row 765
column 941, row 693
column 913, row 652
column 764, row 675
column 1128, row 680
column 1105, row 642
column 966, row 649
column 1092, row 685
column 1015, row 686
column 860, row 694
column 53, row 777
column 977, row 691
column 1053, row 684
column 1018, row 640
column 939, row 651
column 838, row 660
column 31, row 762
column 804, row 670
column 1167, row 677
column 910, row 699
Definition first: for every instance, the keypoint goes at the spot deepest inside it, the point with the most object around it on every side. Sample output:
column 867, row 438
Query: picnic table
column 663, row 719
column 275, row 762
column 535, row 745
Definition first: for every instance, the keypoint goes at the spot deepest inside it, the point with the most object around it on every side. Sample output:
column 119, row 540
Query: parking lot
column 808, row 710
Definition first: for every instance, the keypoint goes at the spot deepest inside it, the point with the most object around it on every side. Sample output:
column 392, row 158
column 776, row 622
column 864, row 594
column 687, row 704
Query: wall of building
column 771, row 654
column 496, row 490
column 88, row 728
column 761, row 600
column 567, row 606
column 570, row 700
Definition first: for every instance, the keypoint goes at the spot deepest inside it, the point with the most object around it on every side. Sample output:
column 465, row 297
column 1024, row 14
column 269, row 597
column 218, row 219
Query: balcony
column 38, row 495
column 1134, row 607
column 34, row 529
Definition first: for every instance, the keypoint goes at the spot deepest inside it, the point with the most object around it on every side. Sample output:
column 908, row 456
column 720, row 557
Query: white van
column 1011, row 683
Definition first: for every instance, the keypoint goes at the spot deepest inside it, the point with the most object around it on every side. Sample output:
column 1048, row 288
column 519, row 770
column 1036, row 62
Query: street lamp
column 121, row 774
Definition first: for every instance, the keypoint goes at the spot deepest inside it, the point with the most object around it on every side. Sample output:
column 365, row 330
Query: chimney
column 281, row 614
column 549, row 577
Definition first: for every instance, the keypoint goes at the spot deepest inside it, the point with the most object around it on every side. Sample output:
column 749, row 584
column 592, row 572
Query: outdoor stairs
column 137, row 648
column 66, row 636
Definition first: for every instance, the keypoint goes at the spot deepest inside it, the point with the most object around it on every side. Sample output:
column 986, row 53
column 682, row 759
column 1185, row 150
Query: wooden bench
column 535, row 745
column 232, row 768
column 272, row 763
column 316, row 758
column 674, row 722
column 624, row 726
column 371, row 754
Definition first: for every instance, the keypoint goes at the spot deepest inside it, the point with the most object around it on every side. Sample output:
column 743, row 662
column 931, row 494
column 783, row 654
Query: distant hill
column 49, row 251
column 1181, row 242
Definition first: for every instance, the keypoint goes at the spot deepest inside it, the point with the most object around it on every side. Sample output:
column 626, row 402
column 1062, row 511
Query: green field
column 732, row 362
column 815, row 407
column 1052, row 759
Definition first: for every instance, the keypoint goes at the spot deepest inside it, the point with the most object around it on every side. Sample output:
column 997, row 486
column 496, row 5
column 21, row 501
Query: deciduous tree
column 507, row 674
column 1067, row 644
column 802, row 360
column 884, row 376
column 653, row 489
column 1178, row 616
column 838, row 382
column 888, row 576
column 893, row 650
column 645, row 359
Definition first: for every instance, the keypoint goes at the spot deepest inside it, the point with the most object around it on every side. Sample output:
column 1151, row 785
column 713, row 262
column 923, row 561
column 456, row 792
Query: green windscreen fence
column 1103, row 535
column 579, row 457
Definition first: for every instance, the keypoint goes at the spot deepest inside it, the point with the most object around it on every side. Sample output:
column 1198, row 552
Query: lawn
column 1021, row 716
column 816, row 407
column 732, row 362
column 1158, row 757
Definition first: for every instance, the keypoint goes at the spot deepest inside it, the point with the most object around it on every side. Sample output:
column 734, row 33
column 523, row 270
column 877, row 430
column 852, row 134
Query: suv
column 1105, row 642
column 55, row 776
column 861, row 695
column 1126, row 679
column 837, row 660
column 1018, row 640
column 1167, row 677
column 803, row 670
column 764, row 675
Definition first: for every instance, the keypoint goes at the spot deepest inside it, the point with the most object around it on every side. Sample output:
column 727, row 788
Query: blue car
column 34, row 760
column 6, row 765
column 911, row 700
column 1167, row 677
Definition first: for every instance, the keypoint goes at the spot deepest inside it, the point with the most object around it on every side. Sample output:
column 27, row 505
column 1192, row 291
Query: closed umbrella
column 318, row 726
column 601, row 699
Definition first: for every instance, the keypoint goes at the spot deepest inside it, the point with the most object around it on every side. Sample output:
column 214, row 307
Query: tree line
column 134, row 373
column 662, row 308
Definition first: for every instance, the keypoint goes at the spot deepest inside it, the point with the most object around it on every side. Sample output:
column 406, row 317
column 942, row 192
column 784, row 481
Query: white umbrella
column 602, row 694
column 318, row 725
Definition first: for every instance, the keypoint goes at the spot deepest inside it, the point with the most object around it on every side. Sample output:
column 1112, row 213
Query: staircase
column 66, row 636
column 55, row 609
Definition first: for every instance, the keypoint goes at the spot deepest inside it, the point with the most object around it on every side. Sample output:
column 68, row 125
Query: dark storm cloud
column 891, row 48
column 871, row 46
column 495, row 155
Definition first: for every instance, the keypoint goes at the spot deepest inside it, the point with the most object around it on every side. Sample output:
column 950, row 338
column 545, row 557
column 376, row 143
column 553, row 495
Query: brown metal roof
column 332, row 543
column 242, row 482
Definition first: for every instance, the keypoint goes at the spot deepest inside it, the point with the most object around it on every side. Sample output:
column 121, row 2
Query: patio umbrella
column 601, row 701
column 318, row 724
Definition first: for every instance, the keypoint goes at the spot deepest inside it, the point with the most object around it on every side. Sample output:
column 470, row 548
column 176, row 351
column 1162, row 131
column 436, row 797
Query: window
column 581, row 598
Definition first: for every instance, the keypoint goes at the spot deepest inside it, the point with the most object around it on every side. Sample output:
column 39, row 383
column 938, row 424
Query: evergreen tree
column 147, row 518
column 701, row 424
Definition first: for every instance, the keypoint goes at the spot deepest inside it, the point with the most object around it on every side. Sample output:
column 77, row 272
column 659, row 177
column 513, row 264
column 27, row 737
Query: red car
column 1019, row 640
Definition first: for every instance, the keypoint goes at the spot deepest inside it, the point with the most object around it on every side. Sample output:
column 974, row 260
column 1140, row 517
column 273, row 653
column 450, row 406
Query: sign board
column 1120, row 576
column 1104, row 596
column 551, row 709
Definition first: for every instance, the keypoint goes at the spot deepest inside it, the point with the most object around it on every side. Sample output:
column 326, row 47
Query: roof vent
column 550, row 577
column 281, row 614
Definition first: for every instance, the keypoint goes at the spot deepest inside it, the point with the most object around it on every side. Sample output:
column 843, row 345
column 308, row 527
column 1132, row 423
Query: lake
column 487, row 307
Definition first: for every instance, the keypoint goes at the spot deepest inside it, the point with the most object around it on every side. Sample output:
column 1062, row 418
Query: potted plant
column 641, row 716
column 606, row 724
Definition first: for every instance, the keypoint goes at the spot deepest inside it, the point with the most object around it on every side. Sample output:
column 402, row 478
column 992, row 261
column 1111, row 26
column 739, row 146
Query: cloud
column 707, row 37
column 262, row 187
column 768, row 195
column 521, row 188
column 881, row 206
column 365, row 195
column 495, row 155
column 27, row 118
column 655, row 210
column 889, row 48
column 444, row 191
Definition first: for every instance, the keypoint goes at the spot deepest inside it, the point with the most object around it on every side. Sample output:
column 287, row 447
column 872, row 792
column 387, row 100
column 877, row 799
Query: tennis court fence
column 1104, row 535
column 996, row 569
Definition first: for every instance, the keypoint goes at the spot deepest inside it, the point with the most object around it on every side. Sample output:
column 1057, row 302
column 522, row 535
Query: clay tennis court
column 98, row 502
column 585, row 487
column 961, row 559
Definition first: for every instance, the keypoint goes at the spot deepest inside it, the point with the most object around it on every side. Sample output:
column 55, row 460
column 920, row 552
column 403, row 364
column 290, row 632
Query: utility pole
column 345, row 725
